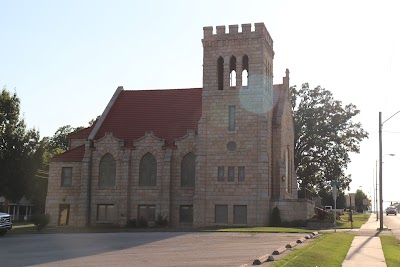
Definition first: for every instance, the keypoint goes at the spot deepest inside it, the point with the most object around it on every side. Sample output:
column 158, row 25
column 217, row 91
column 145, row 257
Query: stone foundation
column 295, row 209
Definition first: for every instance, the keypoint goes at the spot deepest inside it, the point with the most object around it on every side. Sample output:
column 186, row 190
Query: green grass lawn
column 264, row 230
column 23, row 228
column 358, row 220
column 19, row 225
column 391, row 250
column 329, row 250
column 30, row 228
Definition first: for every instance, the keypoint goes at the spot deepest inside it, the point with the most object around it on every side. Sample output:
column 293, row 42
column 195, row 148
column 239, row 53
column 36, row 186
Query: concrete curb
column 301, row 240
column 262, row 259
column 291, row 245
column 279, row 251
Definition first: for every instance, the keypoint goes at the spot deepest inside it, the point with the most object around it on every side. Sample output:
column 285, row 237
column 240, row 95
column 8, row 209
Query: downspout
column 89, row 208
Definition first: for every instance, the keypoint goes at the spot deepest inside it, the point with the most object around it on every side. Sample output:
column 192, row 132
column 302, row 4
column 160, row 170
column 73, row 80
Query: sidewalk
column 366, row 249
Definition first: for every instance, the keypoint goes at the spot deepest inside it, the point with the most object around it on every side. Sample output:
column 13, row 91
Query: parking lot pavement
column 142, row 249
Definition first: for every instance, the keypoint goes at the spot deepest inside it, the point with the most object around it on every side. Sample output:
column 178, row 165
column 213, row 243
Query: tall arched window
column 245, row 72
column 107, row 171
column 220, row 73
column 188, row 170
column 148, row 170
column 232, row 71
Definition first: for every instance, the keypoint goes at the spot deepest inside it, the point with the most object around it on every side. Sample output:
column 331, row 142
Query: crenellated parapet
column 260, row 31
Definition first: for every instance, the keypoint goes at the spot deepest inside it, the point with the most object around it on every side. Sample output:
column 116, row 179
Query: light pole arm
column 380, row 114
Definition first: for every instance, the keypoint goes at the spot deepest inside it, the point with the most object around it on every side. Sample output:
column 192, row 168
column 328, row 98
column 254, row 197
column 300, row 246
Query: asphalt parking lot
column 140, row 249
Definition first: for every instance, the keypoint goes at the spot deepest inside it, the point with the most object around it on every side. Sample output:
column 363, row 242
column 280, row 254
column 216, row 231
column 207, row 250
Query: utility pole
column 376, row 189
column 380, row 174
column 380, row 168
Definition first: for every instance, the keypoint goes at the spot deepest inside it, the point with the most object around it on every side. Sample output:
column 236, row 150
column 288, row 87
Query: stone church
column 220, row 155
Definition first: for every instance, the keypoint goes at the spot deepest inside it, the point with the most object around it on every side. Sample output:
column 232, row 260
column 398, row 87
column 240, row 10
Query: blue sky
column 66, row 58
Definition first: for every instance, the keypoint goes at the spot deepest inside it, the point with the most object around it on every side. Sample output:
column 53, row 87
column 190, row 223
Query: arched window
column 107, row 170
column 232, row 72
column 232, row 78
column 245, row 72
column 188, row 170
column 220, row 73
column 148, row 170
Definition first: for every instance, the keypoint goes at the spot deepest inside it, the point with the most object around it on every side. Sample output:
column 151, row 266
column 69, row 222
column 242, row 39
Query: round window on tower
column 231, row 146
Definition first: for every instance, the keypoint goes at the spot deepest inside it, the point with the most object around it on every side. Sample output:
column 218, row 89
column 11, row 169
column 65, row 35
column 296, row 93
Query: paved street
column 393, row 223
column 140, row 249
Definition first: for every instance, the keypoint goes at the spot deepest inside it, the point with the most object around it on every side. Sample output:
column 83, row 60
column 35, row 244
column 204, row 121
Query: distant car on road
column 391, row 210
column 5, row 223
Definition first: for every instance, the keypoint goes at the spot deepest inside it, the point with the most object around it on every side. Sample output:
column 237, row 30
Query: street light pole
column 376, row 184
column 380, row 168
column 376, row 189
column 380, row 174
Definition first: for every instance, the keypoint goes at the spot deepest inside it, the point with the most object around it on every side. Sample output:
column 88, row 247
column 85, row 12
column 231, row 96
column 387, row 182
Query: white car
column 5, row 223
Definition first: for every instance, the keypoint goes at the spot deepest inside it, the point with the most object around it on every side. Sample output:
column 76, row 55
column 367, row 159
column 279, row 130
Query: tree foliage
column 327, row 198
column 358, row 199
column 93, row 121
column 325, row 134
column 20, row 149
column 60, row 138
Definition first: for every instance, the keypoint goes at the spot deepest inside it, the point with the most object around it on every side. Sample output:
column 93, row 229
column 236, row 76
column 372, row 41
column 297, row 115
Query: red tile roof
column 82, row 134
column 168, row 113
column 73, row 155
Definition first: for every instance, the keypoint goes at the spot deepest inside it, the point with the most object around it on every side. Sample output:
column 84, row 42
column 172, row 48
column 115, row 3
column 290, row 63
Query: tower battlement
column 233, row 32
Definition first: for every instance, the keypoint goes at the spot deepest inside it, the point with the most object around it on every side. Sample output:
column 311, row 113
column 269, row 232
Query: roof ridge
column 165, row 89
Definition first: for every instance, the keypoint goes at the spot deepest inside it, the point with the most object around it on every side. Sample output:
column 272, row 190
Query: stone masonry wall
column 295, row 209
column 116, row 195
column 253, row 105
column 283, row 141
column 181, row 195
column 158, row 195
column 63, row 195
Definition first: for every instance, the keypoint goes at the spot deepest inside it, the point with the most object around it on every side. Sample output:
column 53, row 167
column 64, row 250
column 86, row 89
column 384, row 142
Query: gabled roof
column 169, row 114
column 82, row 134
column 74, row 155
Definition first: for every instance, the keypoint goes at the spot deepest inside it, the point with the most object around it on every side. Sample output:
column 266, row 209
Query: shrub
column 321, row 214
column 131, row 223
column 41, row 220
column 142, row 222
column 162, row 221
column 275, row 217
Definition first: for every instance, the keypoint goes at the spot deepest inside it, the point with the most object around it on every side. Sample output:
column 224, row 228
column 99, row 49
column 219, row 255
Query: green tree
column 38, row 184
column 325, row 134
column 58, row 143
column 93, row 121
column 359, row 198
column 60, row 138
column 20, row 149
column 327, row 198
